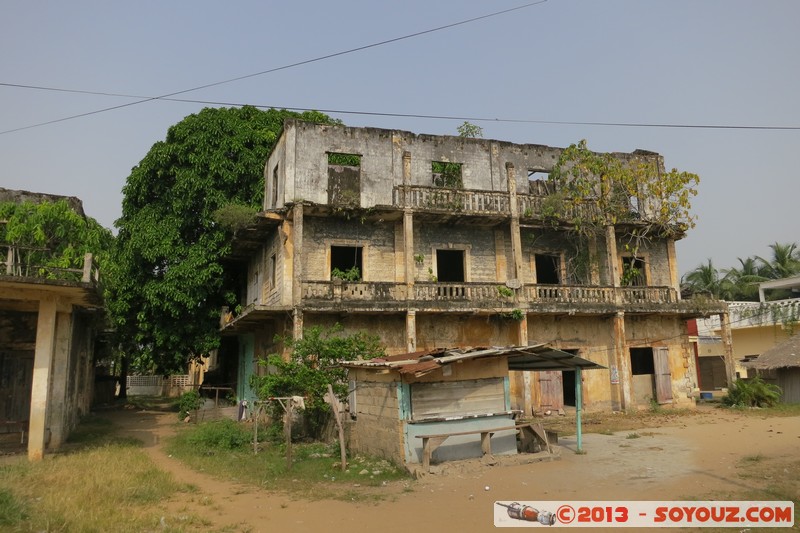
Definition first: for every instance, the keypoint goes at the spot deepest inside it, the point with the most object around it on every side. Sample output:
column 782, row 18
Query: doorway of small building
column 650, row 375
column 347, row 262
column 450, row 266
column 548, row 268
column 568, row 381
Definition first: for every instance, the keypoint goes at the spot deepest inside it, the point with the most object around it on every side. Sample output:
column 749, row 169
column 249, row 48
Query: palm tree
column 704, row 279
column 784, row 264
column 744, row 281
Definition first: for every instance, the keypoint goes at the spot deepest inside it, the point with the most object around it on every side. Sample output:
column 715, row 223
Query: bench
column 16, row 426
column 529, row 431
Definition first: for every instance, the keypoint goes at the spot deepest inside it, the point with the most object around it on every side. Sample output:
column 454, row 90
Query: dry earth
column 693, row 457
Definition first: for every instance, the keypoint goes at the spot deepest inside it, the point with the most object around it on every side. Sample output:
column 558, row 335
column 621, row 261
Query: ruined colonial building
column 48, row 330
column 440, row 241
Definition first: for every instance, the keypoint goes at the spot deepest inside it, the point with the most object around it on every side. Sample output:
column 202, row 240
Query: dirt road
column 696, row 458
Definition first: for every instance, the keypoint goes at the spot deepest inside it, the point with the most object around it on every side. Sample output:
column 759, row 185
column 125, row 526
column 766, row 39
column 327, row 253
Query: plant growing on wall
column 595, row 190
column 352, row 274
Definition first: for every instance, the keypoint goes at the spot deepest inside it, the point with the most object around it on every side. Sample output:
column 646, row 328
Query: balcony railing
column 26, row 262
column 459, row 200
column 487, row 202
column 483, row 295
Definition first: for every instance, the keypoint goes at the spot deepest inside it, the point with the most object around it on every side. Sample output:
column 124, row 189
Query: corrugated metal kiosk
column 402, row 402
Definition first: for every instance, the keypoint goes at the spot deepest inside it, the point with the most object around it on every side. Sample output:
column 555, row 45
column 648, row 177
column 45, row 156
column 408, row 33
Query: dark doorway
column 633, row 272
column 345, row 259
column 450, row 265
column 642, row 361
column 547, row 269
column 568, row 379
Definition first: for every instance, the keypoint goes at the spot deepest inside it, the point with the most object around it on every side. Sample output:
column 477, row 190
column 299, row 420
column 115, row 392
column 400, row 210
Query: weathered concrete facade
column 447, row 244
column 46, row 357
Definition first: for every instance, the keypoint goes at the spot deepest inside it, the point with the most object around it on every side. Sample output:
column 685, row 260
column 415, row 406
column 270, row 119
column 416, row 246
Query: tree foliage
column 741, row 283
column 598, row 189
column 468, row 129
column 51, row 235
column 169, row 280
column 312, row 365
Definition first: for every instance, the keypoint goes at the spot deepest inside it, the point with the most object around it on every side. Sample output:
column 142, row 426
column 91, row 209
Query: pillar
column 42, row 365
column 727, row 344
column 516, row 239
column 622, row 398
column 297, row 268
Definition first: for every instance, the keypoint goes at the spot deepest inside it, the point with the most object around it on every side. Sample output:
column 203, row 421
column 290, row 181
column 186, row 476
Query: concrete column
column 40, row 389
column 727, row 344
column 411, row 331
column 622, row 398
column 672, row 260
column 87, row 268
column 516, row 239
column 297, row 267
column 594, row 267
column 408, row 251
column 612, row 269
column 60, row 405
column 406, row 178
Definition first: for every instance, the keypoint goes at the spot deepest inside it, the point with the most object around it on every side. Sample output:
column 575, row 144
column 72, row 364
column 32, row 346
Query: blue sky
column 722, row 62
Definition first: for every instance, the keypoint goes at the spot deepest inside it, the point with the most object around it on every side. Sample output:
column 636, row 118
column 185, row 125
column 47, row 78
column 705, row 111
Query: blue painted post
column 578, row 406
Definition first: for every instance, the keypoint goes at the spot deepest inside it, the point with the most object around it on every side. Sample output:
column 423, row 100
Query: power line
column 410, row 115
column 284, row 67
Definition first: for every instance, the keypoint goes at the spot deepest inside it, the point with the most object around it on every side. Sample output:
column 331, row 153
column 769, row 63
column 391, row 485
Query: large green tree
column 168, row 278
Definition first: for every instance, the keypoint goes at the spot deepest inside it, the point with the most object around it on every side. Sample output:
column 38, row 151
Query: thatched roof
column 783, row 355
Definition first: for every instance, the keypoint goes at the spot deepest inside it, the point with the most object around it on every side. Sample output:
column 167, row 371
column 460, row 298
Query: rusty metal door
column 663, row 376
column 552, row 389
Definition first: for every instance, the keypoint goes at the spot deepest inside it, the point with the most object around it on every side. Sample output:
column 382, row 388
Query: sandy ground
column 695, row 458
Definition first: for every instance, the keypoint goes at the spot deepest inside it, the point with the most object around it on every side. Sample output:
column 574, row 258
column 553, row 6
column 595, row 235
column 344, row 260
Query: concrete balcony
column 481, row 202
column 491, row 297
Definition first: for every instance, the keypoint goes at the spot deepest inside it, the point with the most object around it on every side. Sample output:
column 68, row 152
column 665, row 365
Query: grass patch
column 224, row 449
column 633, row 436
column 111, row 487
column 96, row 431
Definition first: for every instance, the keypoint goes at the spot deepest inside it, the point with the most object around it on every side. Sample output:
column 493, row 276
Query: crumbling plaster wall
column 446, row 331
column 377, row 429
column 377, row 242
column 391, row 328
column 477, row 242
column 483, row 161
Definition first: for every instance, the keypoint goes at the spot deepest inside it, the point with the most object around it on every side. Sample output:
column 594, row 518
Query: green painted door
column 246, row 367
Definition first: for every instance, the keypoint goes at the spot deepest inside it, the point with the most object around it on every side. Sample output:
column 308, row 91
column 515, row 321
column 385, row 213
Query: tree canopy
column 632, row 189
column 168, row 278
column 741, row 283
column 51, row 235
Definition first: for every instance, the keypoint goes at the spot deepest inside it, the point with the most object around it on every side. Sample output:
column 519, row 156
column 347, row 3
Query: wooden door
column 663, row 376
column 552, row 390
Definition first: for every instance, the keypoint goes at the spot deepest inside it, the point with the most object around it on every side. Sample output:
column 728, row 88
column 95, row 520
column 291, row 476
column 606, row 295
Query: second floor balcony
column 488, row 297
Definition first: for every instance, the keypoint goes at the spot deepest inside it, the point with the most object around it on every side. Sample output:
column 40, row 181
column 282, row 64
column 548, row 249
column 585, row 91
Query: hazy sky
column 690, row 62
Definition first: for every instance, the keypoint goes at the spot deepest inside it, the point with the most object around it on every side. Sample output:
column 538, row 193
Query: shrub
column 752, row 393
column 189, row 401
column 220, row 435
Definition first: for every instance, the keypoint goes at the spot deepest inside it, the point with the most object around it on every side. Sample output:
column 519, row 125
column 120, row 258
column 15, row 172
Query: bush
column 220, row 435
column 752, row 393
column 189, row 401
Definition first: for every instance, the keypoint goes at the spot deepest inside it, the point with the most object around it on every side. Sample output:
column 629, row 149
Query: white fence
column 158, row 385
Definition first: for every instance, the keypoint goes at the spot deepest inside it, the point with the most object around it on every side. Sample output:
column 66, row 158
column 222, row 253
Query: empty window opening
column 633, row 272
column 344, row 160
column 273, row 271
column 447, row 175
column 548, row 269
column 346, row 263
column 275, row 186
column 450, row 265
column 538, row 182
column 344, row 179
column 642, row 361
